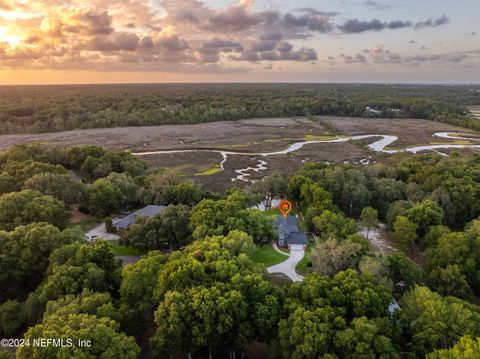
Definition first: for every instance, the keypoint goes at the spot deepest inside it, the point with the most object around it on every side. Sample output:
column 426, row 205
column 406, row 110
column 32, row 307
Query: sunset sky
column 96, row 41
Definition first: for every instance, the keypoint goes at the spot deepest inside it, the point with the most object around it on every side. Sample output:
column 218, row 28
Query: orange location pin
column 285, row 207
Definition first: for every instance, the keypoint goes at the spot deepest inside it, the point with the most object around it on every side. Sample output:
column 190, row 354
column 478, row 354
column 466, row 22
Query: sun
column 11, row 39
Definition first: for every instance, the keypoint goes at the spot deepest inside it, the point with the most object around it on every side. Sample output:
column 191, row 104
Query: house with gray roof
column 288, row 232
column 149, row 211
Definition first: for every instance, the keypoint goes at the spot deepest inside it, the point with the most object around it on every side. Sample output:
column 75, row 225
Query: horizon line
column 246, row 83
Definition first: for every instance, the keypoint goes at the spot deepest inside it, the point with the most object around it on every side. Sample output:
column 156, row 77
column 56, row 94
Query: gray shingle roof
column 297, row 238
column 290, row 220
column 289, row 227
column 148, row 211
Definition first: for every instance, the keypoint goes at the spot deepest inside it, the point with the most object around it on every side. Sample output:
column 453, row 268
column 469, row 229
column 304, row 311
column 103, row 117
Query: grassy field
column 209, row 171
column 120, row 250
column 267, row 255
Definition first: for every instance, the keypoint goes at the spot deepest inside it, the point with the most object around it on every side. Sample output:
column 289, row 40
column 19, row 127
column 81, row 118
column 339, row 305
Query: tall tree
column 103, row 198
column 424, row 215
column 369, row 218
column 405, row 232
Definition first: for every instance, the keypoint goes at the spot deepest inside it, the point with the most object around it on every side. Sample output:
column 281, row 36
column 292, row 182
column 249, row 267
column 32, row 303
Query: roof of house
column 289, row 227
column 291, row 220
column 148, row 211
column 297, row 238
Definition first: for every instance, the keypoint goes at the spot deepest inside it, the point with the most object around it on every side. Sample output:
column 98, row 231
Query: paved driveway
column 288, row 267
column 100, row 232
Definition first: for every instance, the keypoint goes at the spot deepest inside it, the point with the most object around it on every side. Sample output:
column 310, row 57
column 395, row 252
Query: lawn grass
column 267, row 255
column 120, row 250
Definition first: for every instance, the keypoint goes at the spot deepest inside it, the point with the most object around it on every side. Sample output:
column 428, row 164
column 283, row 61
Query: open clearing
column 249, row 136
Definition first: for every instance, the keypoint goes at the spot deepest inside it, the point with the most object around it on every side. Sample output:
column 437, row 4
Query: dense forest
column 56, row 108
column 198, row 290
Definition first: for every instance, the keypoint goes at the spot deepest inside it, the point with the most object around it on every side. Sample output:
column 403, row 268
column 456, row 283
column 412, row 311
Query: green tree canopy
column 334, row 224
column 103, row 198
column 61, row 186
column 136, row 291
column 333, row 256
column 22, row 208
column 24, row 254
column 213, row 297
column 103, row 333
column 466, row 348
column 343, row 316
column 405, row 233
column 76, row 266
column 211, row 217
column 433, row 322
column 167, row 229
column 369, row 218
column 425, row 215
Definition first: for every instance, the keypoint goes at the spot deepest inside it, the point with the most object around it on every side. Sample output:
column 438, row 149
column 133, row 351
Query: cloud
column 355, row 26
column 172, row 43
column 234, row 19
column 6, row 5
column 97, row 23
column 312, row 22
column 442, row 20
column 312, row 11
column 283, row 52
column 262, row 46
column 275, row 36
column 175, row 35
column 119, row 42
column 437, row 58
column 399, row 24
column 146, row 42
column 210, row 50
column 376, row 5
column 380, row 55
column 358, row 58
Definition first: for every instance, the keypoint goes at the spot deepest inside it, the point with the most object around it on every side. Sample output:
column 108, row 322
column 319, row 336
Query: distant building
column 149, row 211
column 288, row 232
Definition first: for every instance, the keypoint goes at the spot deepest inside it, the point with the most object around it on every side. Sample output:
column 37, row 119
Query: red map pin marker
column 285, row 207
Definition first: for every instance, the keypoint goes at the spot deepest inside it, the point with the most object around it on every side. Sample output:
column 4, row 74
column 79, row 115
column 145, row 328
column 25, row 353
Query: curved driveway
column 288, row 267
